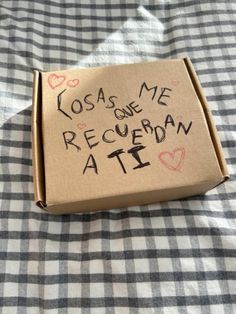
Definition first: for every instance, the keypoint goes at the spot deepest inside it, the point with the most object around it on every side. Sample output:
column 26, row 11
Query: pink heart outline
column 165, row 160
column 56, row 80
column 175, row 82
column 81, row 125
column 73, row 83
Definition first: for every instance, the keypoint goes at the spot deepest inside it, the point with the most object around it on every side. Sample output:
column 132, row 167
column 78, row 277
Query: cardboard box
column 122, row 135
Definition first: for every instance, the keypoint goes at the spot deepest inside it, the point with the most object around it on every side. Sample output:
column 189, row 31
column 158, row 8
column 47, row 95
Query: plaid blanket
column 173, row 257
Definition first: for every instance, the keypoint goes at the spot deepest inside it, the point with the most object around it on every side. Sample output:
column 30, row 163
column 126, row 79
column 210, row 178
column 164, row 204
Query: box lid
column 122, row 130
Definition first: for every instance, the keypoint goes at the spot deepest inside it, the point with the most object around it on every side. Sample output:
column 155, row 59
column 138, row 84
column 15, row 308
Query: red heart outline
column 165, row 156
column 73, row 83
column 56, row 80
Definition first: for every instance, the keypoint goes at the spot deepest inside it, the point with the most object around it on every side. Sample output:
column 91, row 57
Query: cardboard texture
column 122, row 135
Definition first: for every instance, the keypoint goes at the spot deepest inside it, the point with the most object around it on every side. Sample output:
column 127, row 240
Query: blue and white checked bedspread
column 173, row 257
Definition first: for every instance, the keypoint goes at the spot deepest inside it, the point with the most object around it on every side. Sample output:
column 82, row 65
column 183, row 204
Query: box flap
column 212, row 128
column 37, row 147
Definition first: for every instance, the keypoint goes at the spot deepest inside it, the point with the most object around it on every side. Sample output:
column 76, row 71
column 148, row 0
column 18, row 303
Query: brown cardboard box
column 122, row 135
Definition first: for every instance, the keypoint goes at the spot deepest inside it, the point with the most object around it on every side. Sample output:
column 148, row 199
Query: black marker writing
column 160, row 133
column 146, row 124
column 101, row 95
column 163, row 93
column 169, row 120
column 135, row 135
column 88, row 138
column 117, row 154
column 134, row 151
column 119, row 132
column 111, row 102
column 183, row 127
column 128, row 111
column 104, row 136
column 59, row 100
column 76, row 106
column 144, row 85
column 160, row 101
column 93, row 164
column 88, row 102
column 69, row 136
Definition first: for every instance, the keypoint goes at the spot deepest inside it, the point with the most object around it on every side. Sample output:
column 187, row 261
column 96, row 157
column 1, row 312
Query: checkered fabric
column 173, row 257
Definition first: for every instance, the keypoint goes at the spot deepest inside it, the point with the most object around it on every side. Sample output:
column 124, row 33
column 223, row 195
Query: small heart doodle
column 173, row 160
column 73, row 83
column 175, row 82
column 81, row 126
column 56, row 80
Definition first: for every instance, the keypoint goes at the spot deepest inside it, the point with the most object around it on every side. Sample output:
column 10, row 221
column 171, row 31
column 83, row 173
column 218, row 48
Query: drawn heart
column 175, row 82
column 81, row 126
column 55, row 80
column 173, row 160
column 73, row 83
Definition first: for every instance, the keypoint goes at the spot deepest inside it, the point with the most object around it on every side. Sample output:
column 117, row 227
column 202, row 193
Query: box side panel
column 211, row 125
column 37, row 150
column 143, row 198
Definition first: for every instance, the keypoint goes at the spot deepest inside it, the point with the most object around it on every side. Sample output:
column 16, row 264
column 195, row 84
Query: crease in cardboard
column 37, row 145
column 211, row 125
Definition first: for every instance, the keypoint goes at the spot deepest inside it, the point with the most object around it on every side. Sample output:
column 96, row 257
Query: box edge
column 37, row 150
column 134, row 199
column 210, row 122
